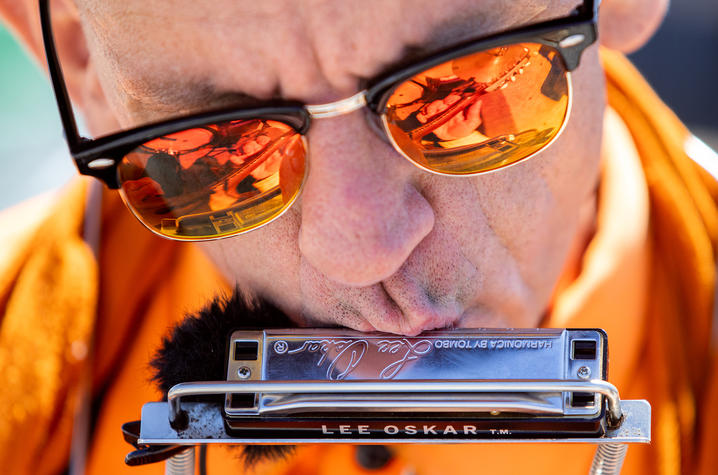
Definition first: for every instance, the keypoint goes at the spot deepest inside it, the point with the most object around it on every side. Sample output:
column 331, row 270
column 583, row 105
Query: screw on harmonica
column 244, row 372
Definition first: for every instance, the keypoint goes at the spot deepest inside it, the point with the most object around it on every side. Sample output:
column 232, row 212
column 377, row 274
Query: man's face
column 373, row 243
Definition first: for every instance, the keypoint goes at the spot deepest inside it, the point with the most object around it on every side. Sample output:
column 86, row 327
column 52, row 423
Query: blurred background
column 681, row 62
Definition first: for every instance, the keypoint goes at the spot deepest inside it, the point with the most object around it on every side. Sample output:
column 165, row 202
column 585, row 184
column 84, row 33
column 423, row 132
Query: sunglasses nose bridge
column 337, row 108
column 346, row 106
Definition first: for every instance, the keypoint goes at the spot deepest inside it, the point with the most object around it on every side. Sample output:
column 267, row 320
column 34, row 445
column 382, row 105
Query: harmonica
column 317, row 385
column 449, row 384
column 452, row 386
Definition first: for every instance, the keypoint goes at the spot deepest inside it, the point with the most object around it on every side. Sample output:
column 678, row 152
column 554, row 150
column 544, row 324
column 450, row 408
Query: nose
column 362, row 214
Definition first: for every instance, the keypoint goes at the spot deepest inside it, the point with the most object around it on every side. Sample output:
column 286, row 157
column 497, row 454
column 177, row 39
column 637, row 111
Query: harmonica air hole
column 245, row 350
column 582, row 399
column 583, row 350
column 242, row 401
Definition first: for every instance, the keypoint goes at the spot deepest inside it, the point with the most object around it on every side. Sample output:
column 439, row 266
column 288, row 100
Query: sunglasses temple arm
column 590, row 7
column 64, row 104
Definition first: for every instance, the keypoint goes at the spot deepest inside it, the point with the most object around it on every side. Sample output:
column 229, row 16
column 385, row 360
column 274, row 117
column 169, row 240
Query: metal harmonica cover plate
column 443, row 356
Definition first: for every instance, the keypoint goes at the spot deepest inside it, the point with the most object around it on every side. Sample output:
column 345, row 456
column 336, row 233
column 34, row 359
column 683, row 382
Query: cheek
column 533, row 208
column 264, row 261
column 572, row 171
column 561, row 179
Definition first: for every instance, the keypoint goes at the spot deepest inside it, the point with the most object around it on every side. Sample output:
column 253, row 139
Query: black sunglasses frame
column 100, row 157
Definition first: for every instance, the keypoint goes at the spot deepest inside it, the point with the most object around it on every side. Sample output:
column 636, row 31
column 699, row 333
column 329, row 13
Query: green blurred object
column 33, row 156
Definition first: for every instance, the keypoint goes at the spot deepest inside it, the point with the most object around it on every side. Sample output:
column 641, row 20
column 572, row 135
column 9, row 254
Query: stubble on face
column 373, row 243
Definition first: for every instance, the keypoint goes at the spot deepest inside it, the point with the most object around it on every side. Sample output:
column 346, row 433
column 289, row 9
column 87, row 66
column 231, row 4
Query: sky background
column 681, row 62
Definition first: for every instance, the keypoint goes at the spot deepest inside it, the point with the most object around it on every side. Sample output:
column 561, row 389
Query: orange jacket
column 647, row 277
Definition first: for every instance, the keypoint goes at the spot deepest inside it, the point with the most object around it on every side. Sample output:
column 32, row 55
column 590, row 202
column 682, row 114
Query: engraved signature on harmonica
column 411, row 352
column 350, row 353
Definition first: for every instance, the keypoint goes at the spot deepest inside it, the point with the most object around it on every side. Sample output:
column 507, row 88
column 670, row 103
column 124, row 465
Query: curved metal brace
column 405, row 386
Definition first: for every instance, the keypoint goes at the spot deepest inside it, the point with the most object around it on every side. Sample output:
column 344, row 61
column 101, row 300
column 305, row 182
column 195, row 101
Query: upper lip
column 417, row 310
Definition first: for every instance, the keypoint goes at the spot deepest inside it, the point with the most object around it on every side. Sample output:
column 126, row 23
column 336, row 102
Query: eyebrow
column 187, row 96
column 465, row 27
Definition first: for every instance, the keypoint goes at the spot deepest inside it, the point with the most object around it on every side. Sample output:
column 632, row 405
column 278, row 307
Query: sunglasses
column 470, row 109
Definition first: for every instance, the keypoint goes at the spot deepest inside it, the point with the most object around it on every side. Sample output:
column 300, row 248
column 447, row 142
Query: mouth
column 398, row 305
column 195, row 349
column 421, row 309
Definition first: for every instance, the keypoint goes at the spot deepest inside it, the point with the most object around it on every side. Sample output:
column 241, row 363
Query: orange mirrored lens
column 482, row 111
column 216, row 180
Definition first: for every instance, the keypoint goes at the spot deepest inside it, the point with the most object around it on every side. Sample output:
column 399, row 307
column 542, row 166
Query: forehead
column 312, row 50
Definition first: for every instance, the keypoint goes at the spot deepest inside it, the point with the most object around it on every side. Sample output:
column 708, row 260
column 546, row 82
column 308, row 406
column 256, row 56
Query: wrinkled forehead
column 302, row 49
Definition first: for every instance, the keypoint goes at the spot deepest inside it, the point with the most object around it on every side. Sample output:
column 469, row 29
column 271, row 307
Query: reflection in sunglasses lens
column 215, row 180
column 482, row 111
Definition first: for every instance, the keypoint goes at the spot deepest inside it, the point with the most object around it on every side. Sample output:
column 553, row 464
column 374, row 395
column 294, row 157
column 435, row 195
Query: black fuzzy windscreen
column 195, row 350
